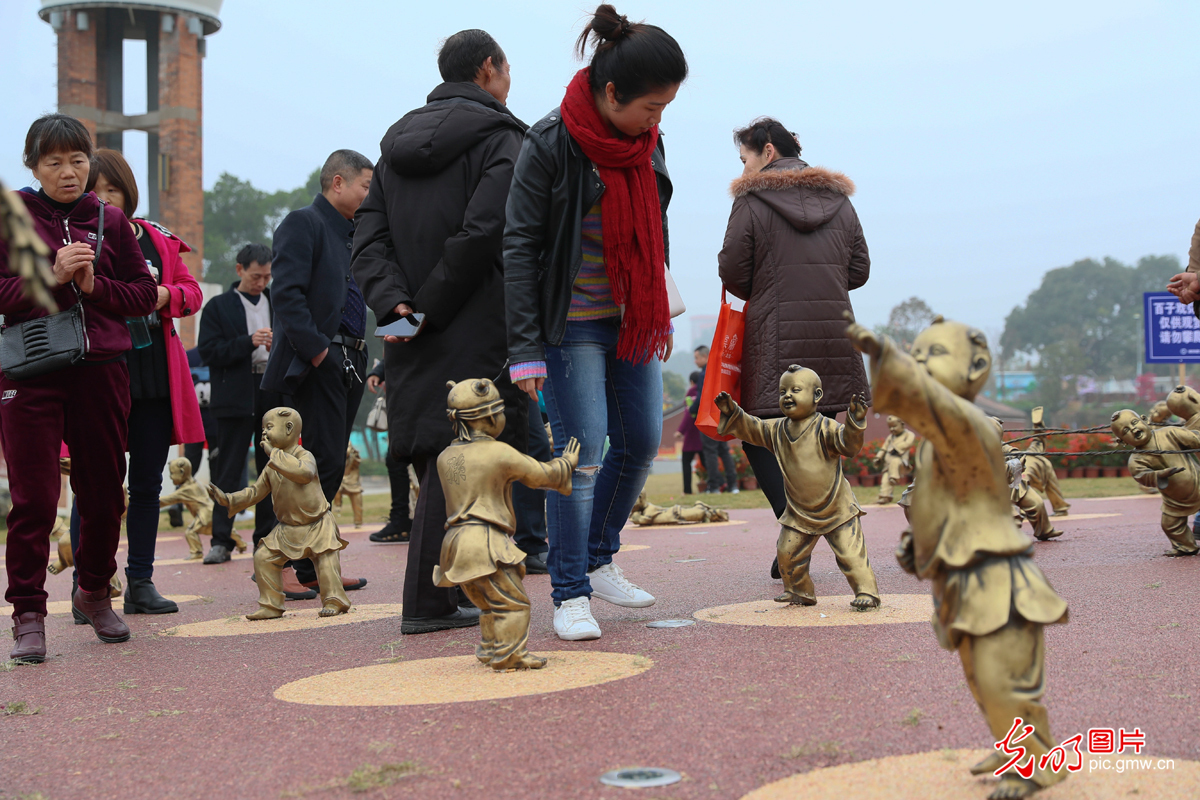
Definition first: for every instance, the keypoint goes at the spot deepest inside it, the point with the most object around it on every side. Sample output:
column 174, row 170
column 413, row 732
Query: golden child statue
column 893, row 457
column 1040, row 472
column 62, row 532
column 1177, row 476
column 1027, row 501
column 477, row 473
column 646, row 513
column 820, row 503
column 1160, row 412
column 990, row 599
column 351, row 485
column 306, row 526
column 195, row 499
column 1183, row 402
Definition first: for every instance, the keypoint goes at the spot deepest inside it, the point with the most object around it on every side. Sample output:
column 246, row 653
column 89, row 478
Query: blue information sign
column 1172, row 330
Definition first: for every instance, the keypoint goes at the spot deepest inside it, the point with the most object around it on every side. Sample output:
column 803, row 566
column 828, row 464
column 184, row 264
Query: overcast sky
column 988, row 144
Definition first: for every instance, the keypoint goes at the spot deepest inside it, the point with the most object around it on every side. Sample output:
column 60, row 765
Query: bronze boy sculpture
column 351, row 485
column 477, row 473
column 893, row 457
column 195, row 499
column 1176, row 476
column 306, row 526
column 820, row 503
column 990, row 600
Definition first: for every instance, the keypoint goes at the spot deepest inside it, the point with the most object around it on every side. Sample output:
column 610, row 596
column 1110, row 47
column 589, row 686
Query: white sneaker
column 573, row 620
column 609, row 583
column 736, row 490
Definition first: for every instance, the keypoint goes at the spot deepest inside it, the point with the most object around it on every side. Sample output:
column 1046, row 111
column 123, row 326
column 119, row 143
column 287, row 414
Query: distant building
column 1011, row 384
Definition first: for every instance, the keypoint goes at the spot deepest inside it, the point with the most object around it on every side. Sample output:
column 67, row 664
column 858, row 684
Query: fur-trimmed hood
column 807, row 197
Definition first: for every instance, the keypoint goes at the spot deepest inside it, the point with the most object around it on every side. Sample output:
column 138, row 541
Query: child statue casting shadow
column 195, row 499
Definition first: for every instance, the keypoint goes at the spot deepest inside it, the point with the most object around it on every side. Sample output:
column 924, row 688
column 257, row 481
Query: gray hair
column 347, row 163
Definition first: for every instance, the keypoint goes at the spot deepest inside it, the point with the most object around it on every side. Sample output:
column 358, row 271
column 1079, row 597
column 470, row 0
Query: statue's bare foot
column 527, row 661
column 265, row 613
column 332, row 610
column 1179, row 553
column 796, row 599
column 883, row 501
column 1062, row 513
column 864, row 602
column 1052, row 534
column 1013, row 787
column 989, row 764
column 194, row 556
column 484, row 654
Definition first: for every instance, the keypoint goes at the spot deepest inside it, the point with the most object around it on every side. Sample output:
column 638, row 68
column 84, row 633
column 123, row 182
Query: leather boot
column 142, row 598
column 96, row 608
column 76, row 614
column 29, row 632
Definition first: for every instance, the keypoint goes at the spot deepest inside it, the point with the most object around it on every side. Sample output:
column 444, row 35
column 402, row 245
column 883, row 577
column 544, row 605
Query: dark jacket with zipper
column 227, row 348
column 553, row 188
column 428, row 235
column 794, row 250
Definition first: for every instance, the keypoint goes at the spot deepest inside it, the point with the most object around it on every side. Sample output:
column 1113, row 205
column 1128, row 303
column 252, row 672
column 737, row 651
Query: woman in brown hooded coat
column 793, row 250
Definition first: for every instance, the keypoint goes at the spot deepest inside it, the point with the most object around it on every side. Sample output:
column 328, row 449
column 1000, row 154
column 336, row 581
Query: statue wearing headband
column 306, row 526
column 477, row 473
column 1175, row 475
column 990, row 599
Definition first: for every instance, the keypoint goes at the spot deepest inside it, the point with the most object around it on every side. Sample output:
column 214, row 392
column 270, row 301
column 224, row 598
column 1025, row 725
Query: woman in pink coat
column 163, row 408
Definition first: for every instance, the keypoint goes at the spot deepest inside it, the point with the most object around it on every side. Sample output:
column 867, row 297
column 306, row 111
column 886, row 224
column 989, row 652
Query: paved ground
column 733, row 706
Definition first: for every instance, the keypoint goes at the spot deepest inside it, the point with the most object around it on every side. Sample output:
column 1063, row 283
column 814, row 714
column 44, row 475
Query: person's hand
column 71, row 258
column 85, row 278
column 403, row 309
column 531, row 386
column 670, row 347
column 864, row 341
column 164, row 297
column 1185, row 286
column 319, row 357
column 571, row 453
column 678, row 435
column 725, row 402
column 858, row 408
column 262, row 338
column 373, row 384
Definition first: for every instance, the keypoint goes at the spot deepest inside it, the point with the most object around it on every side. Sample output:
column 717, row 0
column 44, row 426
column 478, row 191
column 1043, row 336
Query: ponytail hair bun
column 635, row 57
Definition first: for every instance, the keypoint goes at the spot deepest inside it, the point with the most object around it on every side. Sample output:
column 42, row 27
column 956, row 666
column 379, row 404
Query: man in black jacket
column 235, row 338
column 427, row 240
column 320, row 358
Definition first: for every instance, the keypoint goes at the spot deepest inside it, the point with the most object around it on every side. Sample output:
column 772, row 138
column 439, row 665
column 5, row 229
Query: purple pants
column 86, row 406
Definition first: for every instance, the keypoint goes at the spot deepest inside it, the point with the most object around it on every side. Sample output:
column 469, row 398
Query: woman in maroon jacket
column 85, row 405
column 163, row 406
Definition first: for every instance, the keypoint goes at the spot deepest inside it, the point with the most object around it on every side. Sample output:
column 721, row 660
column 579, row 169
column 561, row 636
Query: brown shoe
column 96, row 608
column 29, row 632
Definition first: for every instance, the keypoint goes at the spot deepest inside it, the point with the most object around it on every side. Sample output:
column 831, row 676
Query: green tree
column 236, row 214
column 674, row 387
column 906, row 320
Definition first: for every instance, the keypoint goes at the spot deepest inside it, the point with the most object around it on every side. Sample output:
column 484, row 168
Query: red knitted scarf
column 631, row 219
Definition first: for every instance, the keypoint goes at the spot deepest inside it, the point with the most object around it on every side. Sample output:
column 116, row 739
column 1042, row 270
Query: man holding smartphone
column 427, row 241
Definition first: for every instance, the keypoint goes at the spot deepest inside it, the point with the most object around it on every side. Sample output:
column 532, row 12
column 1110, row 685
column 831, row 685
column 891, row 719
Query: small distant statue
column 195, row 499
column 1040, row 472
column 351, row 485
column 478, row 554
column 1026, row 500
column 990, row 599
column 1160, row 412
column 306, row 526
column 61, row 531
column 892, row 458
column 1176, row 476
column 646, row 513
column 820, row 503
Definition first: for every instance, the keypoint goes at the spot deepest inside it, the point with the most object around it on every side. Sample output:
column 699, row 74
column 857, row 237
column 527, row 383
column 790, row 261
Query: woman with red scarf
column 585, row 253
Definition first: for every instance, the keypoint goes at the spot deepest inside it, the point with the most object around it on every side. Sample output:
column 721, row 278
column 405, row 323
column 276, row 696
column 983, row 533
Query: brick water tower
column 91, row 87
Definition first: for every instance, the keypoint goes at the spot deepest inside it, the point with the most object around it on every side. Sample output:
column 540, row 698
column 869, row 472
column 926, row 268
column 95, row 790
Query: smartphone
column 405, row 327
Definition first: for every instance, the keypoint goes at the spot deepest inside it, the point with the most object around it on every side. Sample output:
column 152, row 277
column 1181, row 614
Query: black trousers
column 194, row 452
column 689, row 458
column 715, row 454
column 422, row 597
column 227, row 465
column 398, row 480
column 530, row 504
column 328, row 402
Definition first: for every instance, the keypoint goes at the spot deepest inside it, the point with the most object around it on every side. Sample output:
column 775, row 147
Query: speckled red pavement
column 731, row 707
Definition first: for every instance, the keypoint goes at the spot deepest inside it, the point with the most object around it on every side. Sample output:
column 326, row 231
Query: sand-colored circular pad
column 238, row 625
column 64, row 606
column 459, row 679
column 685, row 526
column 1081, row 517
column 629, row 548
column 828, row 611
column 943, row 775
column 175, row 562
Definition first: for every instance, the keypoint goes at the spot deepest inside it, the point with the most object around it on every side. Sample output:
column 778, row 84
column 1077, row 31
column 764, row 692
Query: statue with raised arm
column 1026, row 499
column 477, row 473
column 892, row 458
column 990, row 599
column 1039, row 472
column 195, row 499
column 1176, row 476
column 306, row 526
column 820, row 503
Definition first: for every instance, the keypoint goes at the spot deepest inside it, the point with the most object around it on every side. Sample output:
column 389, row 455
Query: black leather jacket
column 554, row 185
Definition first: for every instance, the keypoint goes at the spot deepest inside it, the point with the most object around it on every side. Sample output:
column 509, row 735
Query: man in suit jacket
column 320, row 358
column 235, row 340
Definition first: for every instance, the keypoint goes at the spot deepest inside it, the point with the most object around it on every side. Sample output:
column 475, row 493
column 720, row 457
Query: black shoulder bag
column 46, row 344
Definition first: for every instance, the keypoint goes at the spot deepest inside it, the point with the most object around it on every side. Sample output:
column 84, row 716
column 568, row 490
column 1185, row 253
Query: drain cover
column 641, row 776
column 670, row 623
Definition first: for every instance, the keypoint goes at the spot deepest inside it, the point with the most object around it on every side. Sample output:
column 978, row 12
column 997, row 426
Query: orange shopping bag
column 724, row 370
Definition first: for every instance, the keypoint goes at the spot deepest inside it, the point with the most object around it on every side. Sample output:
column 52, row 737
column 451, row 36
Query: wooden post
column 1182, row 374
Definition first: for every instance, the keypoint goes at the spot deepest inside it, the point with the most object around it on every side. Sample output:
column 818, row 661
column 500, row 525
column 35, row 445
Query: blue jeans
column 590, row 394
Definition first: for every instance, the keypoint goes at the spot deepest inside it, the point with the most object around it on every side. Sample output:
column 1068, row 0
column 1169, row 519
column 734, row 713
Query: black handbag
column 46, row 344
